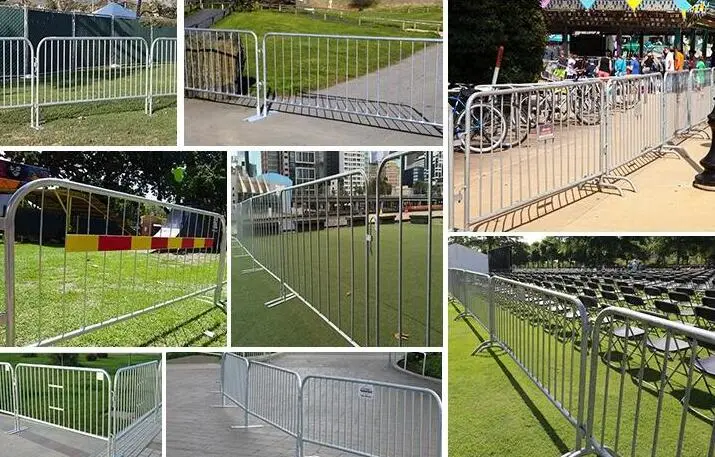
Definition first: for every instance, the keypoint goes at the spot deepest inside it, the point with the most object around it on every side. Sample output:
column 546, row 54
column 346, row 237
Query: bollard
column 706, row 179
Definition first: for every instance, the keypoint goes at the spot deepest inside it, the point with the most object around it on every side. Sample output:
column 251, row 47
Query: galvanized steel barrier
column 70, row 398
column 162, row 71
column 136, row 408
column 385, row 295
column 649, row 385
column 314, row 239
column 224, row 65
column 474, row 292
column 544, row 139
column 370, row 418
column 546, row 333
column 647, row 380
column 385, row 78
column 18, row 74
column 126, row 414
column 96, row 260
column 363, row 417
column 69, row 70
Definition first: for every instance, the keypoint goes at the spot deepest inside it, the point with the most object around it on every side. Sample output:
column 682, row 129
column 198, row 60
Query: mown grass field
column 110, row 122
column 507, row 414
column 299, row 65
column 81, row 402
column 335, row 285
column 57, row 293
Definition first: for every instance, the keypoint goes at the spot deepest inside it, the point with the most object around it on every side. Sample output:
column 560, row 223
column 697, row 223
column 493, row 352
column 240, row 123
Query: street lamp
column 706, row 179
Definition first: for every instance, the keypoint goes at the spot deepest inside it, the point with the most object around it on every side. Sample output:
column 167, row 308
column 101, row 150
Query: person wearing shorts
column 605, row 65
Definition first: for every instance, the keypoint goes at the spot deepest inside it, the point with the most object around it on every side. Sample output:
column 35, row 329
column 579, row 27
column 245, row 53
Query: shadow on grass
column 545, row 425
column 182, row 327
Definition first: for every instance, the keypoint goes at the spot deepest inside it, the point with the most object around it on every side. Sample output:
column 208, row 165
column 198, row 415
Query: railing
column 530, row 143
column 95, row 265
column 70, row 70
column 316, row 239
column 646, row 388
column 332, row 411
column 125, row 414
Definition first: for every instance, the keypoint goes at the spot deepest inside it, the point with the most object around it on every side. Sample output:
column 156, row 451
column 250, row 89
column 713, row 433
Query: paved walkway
column 664, row 201
column 194, row 427
column 40, row 440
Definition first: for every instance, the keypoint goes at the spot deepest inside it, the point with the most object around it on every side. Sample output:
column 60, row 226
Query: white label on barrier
column 368, row 238
column 545, row 131
column 100, row 377
column 366, row 392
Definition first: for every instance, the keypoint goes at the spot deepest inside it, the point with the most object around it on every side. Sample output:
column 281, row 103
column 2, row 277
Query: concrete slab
column 195, row 428
column 664, row 200
column 43, row 440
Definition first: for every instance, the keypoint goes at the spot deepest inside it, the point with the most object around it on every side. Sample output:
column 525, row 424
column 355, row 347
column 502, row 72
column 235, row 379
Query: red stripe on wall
column 159, row 243
column 187, row 243
column 114, row 243
column 209, row 243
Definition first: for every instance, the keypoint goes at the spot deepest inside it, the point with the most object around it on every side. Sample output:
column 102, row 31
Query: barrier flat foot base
column 611, row 180
column 16, row 431
column 483, row 346
column 239, row 427
column 462, row 316
column 224, row 406
column 259, row 117
column 251, row 270
column 279, row 300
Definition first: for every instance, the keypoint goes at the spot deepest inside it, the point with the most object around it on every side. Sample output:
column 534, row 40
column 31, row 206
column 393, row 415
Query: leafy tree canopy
column 142, row 173
column 478, row 28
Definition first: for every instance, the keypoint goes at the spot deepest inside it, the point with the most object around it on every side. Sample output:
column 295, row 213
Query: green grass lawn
column 335, row 283
column 111, row 122
column 296, row 65
column 73, row 399
column 507, row 415
column 57, row 293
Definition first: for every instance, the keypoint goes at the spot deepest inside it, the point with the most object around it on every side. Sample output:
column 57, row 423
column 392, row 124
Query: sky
column 533, row 237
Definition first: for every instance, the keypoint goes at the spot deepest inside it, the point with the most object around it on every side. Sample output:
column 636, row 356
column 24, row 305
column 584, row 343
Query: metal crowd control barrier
column 395, row 292
column 223, row 64
column 474, row 292
column 544, row 139
column 18, row 74
column 136, row 408
column 394, row 80
column 77, row 70
column 370, row 418
column 313, row 238
column 546, row 333
column 8, row 395
column 126, row 414
column 646, row 376
column 69, row 398
column 162, row 70
column 362, row 417
column 95, row 262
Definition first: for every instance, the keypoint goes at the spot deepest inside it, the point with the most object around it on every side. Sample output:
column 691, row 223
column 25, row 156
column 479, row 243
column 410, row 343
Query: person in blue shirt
column 635, row 65
column 620, row 66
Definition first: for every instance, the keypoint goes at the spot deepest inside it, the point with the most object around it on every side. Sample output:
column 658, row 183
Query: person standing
column 669, row 60
column 712, row 57
column 635, row 65
column 679, row 59
column 620, row 66
column 571, row 67
column 605, row 65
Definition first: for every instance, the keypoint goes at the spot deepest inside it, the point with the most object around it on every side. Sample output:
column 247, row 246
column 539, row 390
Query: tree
column 141, row 173
column 420, row 188
column 385, row 187
column 478, row 28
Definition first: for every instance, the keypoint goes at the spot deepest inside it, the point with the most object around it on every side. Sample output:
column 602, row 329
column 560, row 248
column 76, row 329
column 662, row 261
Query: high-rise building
column 350, row 161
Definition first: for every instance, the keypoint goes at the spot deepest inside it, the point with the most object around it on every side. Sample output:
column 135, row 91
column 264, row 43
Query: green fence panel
column 12, row 22
column 91, row 26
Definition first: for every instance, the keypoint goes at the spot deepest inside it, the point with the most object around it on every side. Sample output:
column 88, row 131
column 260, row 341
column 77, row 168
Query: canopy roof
column 612, row 16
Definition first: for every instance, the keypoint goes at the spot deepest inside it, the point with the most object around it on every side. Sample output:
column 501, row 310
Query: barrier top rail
column 424, row 390
column 352, row 37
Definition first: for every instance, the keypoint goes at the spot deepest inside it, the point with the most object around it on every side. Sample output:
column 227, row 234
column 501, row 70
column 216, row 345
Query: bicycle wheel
column 517, row 126
column 488, row 128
